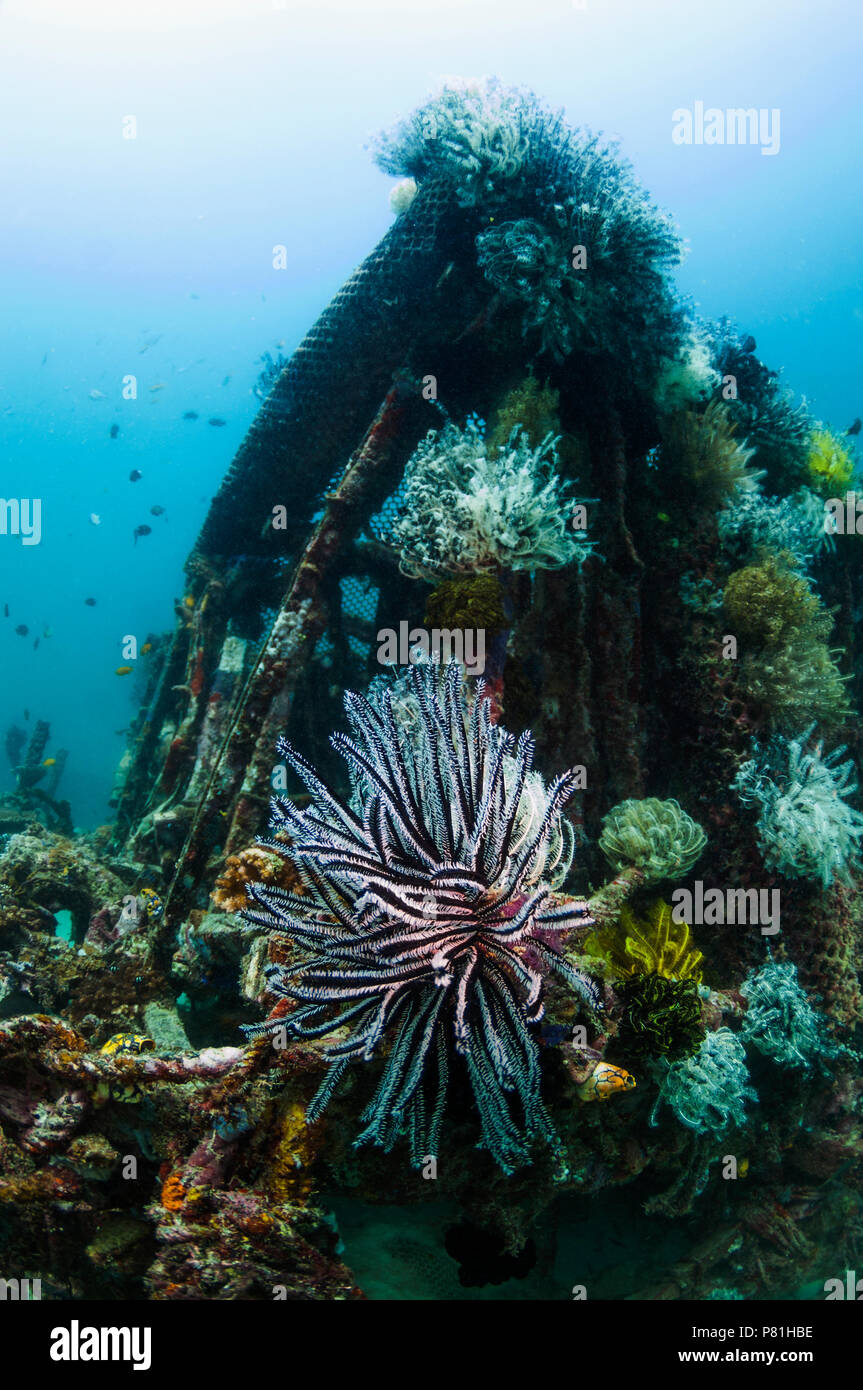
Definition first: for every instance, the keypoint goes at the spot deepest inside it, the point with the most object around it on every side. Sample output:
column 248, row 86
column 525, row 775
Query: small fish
column 605, row 1081
column 44, row 359
column 855, row 428
column 749, row 344
column 160, row 386
column 141, row 531
column 36, row 645
column 97, row 395
column 90, row 602
column 135, row 476
column 215, row 420
column 189, row 601
column 157, row 510
column 122, row 670
column 280, row 343
column 95, row 519
column 49, row 762
column 226, row 380
column 147, row 647
column 114, row 431
column 27, row 714
column 663, row 516
column 153, row 903
column 22, row 629
column 47, row 632
column 127, row 1042
column 191, row 415
column 5, row 610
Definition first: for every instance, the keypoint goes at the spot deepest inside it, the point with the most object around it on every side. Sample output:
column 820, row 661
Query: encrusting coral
column 253, row 865
column 415, row 920
column 577, row 195
column 474, row 601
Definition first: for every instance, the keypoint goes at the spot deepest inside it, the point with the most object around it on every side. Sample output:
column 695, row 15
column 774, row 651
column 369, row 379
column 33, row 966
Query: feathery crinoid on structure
column 431, row 923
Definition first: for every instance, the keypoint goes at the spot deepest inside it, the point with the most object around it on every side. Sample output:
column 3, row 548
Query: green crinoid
column 656, row 837
column 662, row 1018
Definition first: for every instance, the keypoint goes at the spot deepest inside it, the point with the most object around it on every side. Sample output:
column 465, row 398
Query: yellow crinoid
column 830, row 463
column 650, row 944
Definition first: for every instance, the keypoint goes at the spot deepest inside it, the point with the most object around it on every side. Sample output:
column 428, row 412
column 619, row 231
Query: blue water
column 152, row 256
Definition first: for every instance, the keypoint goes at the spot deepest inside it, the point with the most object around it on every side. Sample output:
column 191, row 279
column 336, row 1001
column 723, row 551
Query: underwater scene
column 431, row 563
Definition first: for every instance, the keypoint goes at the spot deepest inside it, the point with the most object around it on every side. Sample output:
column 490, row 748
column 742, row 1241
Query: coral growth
column 657, row 837
column 708, row 1091
column 781, row 1023
column 528, row 406
column 702, row 454
column 653, row 944
column 576, row 195
column 830, row 463
column 474, row 601
column 662, row 1018
column 466, row 510
column 253, row 865
column 806, row 829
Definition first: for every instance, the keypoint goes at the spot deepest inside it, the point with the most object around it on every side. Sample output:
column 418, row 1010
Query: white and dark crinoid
column 428, row 925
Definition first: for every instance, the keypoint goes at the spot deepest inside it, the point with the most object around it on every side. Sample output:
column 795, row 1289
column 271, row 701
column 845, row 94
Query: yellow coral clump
column 830, row 463
column 650, row 945
column 768, row 603
column 252, row 865
column 786, row 665
column 289, row 1178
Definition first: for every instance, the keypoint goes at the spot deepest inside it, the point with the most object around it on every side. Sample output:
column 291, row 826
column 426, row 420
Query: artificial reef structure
column 466, row 957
